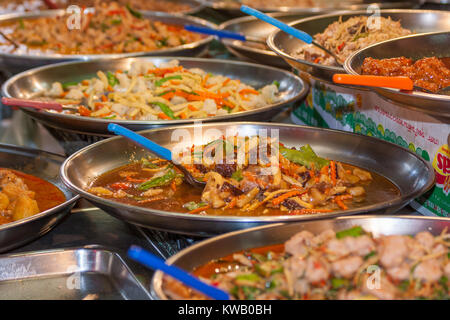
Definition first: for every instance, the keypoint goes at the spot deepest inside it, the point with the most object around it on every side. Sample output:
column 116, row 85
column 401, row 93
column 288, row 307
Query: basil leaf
column 305, row 156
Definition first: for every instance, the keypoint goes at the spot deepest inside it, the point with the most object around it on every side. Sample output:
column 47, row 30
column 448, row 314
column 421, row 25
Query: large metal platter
column 45, row 166
column 410, row 173
column 24, row 84
column 419, row 21
column 414, row 47
column 15, row 63
column 251, row 26
column 231, row 7
column 221, row 246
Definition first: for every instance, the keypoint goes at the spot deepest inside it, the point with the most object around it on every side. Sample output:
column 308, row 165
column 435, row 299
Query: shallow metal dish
column 414, row 47
column 232, row 6
column 410, row 173
column 251, row 26
column 221, row 246
column 90, row 273
column 419, row 21
column 45, row 166
column 15, row 63
column 24, row 84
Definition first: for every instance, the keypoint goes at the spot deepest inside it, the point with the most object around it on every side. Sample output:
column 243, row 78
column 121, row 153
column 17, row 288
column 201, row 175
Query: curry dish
column 299, row 183
column 23, row 195
column 431, row 73
column 332, row 265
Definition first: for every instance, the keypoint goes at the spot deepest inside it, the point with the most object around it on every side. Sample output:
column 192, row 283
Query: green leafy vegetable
column 237, row 175
column 116, row 21
column 404, row 285
column 112, row 79
column 110, row 117
column 352, row 232
column 193, row 205
column 21, row 24
column 305, row 156
column 135, row 13
column 337, row 283
column 66, row 85
column 161, row 81
column 165, row 109
column 371, row 254
column 268, row 268
column 159, row 181
column 148, row 164
column 162, row 43
column 275, row 82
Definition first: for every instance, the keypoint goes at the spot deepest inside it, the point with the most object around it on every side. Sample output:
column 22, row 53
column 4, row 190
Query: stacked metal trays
column 221, row 246
column 410, row 173
column 414, row 47
column 45, row 166
column 15, row 63
column 75, row 132
column 419, row 21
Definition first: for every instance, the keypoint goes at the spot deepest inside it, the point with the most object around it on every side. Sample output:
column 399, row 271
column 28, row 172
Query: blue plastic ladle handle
column 277, row 23
column 151, row 261
column 146, row 143
column 214, row 32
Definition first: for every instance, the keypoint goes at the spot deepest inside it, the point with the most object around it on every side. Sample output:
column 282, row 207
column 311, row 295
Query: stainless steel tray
column 251, row 26
column 15, row 63
column 420, row 21
column 24, row 84
column 45, row 166
column 415, row 47
column 231, row 7
column 218, row 247
column 87, row 273
column 410, row 173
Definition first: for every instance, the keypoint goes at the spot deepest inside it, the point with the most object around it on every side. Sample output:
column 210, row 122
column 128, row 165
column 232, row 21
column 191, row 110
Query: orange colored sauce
column 46, row 194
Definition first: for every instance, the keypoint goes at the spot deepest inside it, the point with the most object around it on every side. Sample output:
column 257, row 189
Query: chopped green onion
column 159, row 181
column 352, row 232
column 192, row 205
column 337, row 283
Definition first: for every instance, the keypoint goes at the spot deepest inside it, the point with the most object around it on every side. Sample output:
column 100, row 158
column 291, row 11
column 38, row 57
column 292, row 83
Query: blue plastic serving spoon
column 151, row 261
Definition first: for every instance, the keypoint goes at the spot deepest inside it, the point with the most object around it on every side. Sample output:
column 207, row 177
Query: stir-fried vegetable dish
column 23, row 195
column 345, row 265
column 289, row 182
column 166, row 92
column 345, row 37
column 112, row 28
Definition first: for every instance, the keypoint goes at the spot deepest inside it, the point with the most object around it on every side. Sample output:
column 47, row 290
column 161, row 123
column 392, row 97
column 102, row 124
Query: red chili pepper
column 113, row 12
column 120, row 185
column 341, row 46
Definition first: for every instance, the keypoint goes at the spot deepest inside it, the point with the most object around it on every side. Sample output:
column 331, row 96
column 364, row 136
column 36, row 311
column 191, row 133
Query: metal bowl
column 24, row 84
column 414, row 47
column 286, row 46
column 231, row 7
column 15, row 63
column 251, row 26
column 221, row 246
column 410, row 173
column 45, row 166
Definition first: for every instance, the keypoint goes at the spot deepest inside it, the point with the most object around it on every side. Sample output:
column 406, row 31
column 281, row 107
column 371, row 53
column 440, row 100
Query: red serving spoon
column 39, row 105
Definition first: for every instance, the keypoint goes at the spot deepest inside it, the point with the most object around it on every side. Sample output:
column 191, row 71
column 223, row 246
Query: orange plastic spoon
column 403, row 83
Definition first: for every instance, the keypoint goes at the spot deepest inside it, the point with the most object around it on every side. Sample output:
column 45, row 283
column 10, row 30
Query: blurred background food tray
column 88, row 273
